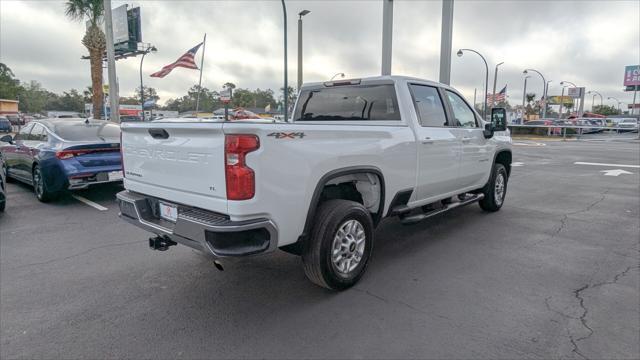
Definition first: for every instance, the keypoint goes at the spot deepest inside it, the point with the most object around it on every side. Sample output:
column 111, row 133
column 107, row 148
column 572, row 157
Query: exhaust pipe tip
column 218, row 265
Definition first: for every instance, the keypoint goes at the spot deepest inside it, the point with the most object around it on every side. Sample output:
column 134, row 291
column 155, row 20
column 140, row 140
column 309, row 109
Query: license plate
column 168, row 212
column 115, row 175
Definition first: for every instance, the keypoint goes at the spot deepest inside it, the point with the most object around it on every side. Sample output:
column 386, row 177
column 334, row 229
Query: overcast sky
column 585, row 42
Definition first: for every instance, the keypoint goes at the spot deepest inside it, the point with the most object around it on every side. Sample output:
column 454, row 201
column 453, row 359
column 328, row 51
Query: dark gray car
column 3, row 185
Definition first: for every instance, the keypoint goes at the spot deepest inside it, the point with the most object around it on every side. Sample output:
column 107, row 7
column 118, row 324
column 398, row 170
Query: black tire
column 40, row 186
column 492, row 201
column 6, row 175
column 332, row 216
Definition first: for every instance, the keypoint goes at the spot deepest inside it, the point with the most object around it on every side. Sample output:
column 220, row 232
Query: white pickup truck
column 356, row 151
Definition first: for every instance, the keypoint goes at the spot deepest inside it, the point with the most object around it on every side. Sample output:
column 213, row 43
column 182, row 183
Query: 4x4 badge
column 285, row 135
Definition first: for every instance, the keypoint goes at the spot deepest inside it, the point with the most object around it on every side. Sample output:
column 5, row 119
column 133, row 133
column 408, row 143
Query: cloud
column 586, row 42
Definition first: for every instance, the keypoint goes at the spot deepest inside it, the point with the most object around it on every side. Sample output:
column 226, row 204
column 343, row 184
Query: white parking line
column 89, row 202
column 608, row 165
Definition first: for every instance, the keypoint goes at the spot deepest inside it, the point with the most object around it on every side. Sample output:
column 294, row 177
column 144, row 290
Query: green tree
column 9, row 85
column 94, row 40
column 70, row 100
column 604, row 110
column 34, row 98
column 293, row 95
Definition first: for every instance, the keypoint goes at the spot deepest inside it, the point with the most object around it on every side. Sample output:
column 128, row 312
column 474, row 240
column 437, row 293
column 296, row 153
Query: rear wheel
column 495, row 190
column 40, row 187
column 337, row 253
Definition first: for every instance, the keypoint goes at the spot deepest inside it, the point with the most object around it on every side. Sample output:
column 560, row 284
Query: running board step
column 419, row 217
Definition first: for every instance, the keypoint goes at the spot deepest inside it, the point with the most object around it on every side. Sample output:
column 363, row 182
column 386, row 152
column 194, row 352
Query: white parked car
column 356, row 151
column 628, row 125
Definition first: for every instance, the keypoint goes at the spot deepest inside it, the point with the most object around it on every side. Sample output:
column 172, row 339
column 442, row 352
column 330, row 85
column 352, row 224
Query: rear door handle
column 466, row 139
column 159, row 133
column 427, row 140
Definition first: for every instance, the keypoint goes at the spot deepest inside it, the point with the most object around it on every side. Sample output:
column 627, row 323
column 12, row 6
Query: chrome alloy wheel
column 499, row 189
column 348, row 247
column 38, row 183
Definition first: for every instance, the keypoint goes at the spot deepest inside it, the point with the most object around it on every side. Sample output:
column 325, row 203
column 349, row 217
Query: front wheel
column 495, row 191
column 336, row 254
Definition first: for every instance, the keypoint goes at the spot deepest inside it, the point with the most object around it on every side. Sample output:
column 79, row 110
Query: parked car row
column 57, row 155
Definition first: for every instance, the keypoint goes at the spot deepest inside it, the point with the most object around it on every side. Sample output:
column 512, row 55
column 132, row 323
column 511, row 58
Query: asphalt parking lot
column 555, row 274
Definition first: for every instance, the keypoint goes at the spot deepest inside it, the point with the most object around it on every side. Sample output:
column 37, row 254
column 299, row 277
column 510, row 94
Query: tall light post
column 563, row 82
column 544, row 89
column 334, row 76
column 618, row 101
column 486, row 79
column 150, row 48
column 594, row 97
column 524, row 96
column 300, row 15
column 546, row 92
column 286, row 78
column 495, row 79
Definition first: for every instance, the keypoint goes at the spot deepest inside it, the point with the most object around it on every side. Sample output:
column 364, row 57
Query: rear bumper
column 200, row 229
column 83, row 182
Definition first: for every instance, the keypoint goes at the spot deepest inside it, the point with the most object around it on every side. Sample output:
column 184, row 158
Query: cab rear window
column 348, row 103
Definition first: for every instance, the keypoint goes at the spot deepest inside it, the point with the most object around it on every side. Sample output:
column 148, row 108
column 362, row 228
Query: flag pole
column 204, row 46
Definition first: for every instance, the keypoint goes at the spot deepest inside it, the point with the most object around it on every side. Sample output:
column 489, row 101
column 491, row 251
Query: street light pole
column 486, row 79
column 618, row 101
column 334, row 76
column 300, row 15
column 286, row 79
column 495, row 79
column 146, row 51
column 524, row 97
column 544, row 90
column 561, row 101
column 594, row 97
column 563, row 82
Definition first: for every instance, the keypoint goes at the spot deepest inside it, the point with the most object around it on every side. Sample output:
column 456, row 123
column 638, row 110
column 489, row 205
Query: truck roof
column 373, row 79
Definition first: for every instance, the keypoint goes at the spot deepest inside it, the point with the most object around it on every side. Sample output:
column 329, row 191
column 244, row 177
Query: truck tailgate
column 180, row 162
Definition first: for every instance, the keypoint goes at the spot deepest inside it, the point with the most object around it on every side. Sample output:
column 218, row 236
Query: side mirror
column 488, row 131
column 499, row 119
column 7, row 139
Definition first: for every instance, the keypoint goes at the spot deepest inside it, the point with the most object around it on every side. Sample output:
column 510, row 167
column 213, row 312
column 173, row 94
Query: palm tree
column 94, row 40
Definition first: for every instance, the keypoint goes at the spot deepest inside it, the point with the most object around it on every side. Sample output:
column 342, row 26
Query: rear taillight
column 68, row 154
column 241, row 184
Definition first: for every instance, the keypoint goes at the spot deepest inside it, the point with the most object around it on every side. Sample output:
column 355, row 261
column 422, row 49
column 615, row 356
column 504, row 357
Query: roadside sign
column 576, row 92
column 225, row 95
column 555, row 100
column 105, row 88
column 120, row 25
column 632, row 75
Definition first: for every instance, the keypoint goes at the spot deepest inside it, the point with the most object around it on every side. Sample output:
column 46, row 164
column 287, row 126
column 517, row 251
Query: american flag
column 185, row 61
column 501, row 96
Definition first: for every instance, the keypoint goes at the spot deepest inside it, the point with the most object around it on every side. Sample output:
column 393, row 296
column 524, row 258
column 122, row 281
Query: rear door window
column 428, row 105
column 348, row 103
column 23, row 134
column 38, row 133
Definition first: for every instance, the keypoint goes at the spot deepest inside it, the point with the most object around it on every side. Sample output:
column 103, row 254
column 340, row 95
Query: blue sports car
column 55, row 155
